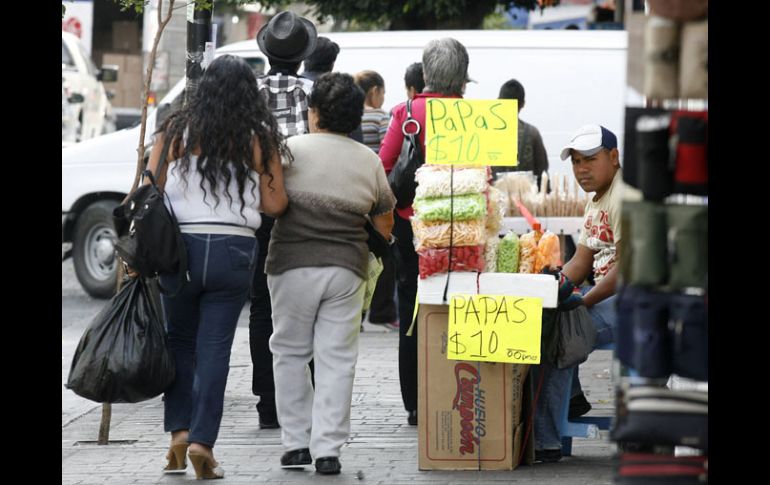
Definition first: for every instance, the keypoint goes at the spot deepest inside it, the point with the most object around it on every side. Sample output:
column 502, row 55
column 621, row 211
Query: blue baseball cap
column 589, row 139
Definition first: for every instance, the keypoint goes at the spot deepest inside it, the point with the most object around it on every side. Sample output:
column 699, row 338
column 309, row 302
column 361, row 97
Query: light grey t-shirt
column 332, row 184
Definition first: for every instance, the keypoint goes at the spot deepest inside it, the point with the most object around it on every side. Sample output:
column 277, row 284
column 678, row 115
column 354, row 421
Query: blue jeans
column 552, row 392
column 201, row 323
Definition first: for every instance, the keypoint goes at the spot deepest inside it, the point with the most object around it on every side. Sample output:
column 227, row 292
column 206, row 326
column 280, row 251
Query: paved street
column 382, row 448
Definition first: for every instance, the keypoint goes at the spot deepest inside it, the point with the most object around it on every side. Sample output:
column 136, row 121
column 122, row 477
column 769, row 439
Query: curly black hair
column 338, row 102
column 222, row 117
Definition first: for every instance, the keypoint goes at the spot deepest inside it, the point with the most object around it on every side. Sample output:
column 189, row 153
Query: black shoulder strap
column 163, row 157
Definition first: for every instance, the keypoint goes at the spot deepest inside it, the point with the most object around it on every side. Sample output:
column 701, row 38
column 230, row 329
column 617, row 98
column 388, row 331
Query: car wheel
column 93, row 250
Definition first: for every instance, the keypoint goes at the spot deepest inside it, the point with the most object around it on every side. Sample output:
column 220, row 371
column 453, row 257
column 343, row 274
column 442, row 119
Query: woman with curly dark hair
column 224, row 168
column 316, row 267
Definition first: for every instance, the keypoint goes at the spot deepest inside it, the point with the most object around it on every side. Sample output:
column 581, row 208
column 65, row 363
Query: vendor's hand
column 566, row 287
column 574, row 300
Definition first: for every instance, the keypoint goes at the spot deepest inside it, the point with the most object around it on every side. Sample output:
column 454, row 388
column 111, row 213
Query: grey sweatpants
column 316, row 314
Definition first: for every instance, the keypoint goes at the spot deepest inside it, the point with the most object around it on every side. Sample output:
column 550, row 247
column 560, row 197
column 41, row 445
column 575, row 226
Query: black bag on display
column 630, row 162
column 655, row 171
column 154, row 243
column 661, row 416
column 122, row 356
column 657, row 469
column 572, row 338
column 689, row 330
column 652, row 341
column 401, row 177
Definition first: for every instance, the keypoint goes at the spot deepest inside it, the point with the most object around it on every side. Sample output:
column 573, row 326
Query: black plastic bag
column 569, row 338
column 122, row 356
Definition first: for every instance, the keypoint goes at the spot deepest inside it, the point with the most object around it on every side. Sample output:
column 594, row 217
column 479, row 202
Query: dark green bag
column 688, row 255
column 646, row 243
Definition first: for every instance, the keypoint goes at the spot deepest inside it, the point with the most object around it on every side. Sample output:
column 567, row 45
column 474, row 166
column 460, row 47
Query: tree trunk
column 104, row 427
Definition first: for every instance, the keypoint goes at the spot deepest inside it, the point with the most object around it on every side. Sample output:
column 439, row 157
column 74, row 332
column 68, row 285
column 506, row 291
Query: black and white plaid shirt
column 287, row 99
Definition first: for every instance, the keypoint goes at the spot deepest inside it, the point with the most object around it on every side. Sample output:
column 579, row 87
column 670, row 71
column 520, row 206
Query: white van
column 571, row 78
column 91, row 113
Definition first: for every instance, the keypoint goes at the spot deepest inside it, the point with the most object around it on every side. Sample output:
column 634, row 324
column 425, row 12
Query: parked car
column 571, row 77
column 80, row 76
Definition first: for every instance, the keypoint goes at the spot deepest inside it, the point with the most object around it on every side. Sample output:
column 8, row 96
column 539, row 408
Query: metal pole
column 198, row 34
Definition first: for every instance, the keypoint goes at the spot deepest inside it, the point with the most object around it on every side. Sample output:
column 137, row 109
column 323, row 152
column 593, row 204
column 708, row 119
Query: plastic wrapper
column 528, row 252
column 508, row 254
column 548, row 252
column 495, row 210
column 437, row 234
column 434, row 181
column 464, row 208
column 490, row 254
column 373, row 271
column 464, row 258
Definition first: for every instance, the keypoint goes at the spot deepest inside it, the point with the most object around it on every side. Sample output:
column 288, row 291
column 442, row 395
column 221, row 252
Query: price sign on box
column 494, row 328
column 471, row 131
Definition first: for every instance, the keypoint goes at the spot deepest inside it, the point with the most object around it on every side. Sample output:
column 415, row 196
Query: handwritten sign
column 471, row 131
column 495, row 328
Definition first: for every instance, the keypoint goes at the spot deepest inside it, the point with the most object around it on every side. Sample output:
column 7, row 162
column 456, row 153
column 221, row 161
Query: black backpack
column 153, row 244
column 401, row 177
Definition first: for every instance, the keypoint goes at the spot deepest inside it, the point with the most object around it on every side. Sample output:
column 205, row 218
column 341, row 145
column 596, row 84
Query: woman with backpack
column 224, row 167
column 445, row 69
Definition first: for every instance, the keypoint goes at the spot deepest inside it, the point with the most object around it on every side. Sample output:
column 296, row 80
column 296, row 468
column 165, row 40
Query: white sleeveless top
column 196, row 216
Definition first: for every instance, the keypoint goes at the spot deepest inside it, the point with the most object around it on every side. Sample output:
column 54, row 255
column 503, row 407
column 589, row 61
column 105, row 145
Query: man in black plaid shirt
column 286, row 41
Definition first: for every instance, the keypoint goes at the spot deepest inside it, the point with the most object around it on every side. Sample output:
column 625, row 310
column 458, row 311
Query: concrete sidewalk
column 382, row 448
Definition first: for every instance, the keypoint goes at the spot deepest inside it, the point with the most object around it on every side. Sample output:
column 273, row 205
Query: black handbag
column 154, row 243
column 401, row 177
column 122, row 356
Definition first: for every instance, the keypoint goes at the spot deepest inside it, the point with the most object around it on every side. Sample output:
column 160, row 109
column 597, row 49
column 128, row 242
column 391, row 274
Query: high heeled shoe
column 177, row 458
column 205, row 467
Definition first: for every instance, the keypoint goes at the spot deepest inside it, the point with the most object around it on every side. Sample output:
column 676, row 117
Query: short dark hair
column 413, row 77
column 367, row 80
column 512, row 89
column 338, row 101
column 283, row 67
column 323, row 57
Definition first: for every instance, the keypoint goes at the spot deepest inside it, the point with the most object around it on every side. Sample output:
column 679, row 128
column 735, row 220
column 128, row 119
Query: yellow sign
column 471, row 131
column 495, row 328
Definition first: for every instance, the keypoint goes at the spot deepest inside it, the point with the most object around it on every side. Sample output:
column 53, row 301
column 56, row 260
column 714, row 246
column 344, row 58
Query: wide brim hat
column 287, row 38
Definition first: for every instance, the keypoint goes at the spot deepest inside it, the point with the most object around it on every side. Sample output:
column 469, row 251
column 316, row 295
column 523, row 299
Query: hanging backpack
column 154, row 244
column 401, row 177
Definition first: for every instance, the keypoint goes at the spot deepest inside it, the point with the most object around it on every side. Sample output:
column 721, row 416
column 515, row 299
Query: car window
column 66, row 58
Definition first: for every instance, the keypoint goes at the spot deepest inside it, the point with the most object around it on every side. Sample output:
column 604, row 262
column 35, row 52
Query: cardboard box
column 470, row 414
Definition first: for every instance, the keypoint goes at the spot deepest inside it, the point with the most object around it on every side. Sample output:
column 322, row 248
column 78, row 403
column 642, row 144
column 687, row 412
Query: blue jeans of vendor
column 552, row 392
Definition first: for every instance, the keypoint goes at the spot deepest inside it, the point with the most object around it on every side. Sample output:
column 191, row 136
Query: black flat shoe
column 548, row 456
column 296, row 458
column 578, row 406
column 412, row 418
column 329, row 465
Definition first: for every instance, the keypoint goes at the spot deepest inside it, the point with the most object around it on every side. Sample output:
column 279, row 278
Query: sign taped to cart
column 471, row 131
column 494, row 328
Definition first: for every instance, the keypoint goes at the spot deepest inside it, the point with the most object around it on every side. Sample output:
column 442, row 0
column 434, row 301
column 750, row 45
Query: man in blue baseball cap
column 596, row 165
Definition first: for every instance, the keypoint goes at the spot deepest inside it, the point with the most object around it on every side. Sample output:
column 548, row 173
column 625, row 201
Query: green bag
column 647, row 261
column 688, row 254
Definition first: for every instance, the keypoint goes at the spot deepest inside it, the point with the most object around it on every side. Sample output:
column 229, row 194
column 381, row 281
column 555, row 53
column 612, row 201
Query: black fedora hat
column 287, row 37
